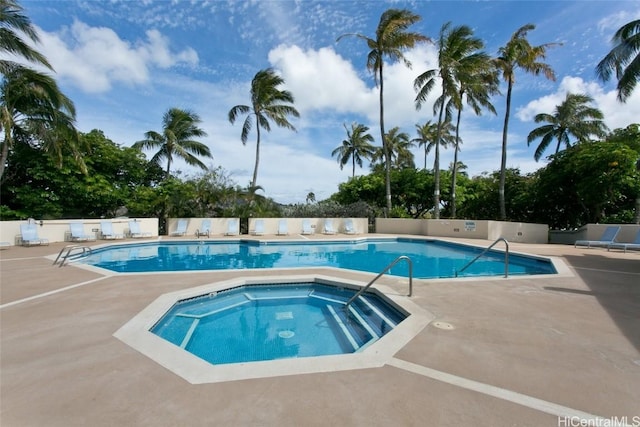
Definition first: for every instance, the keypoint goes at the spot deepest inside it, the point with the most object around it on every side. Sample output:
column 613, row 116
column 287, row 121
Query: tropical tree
column 13, row 23
column 624, row 59
column 391, row 40
column 573, row 117
column 518, row 53
column 34, row 111
column 356, row 147
column 400, row 154
column 427, row 136
column 268, row 103
column 179, row 127
column 477, row 80
column 455, row 46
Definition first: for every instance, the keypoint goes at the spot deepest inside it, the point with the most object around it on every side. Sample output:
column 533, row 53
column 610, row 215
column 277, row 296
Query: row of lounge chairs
column 259, row 229
column 608, row 240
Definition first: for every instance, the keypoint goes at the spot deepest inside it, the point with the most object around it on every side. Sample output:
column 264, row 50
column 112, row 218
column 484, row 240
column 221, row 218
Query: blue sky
column 124, row 63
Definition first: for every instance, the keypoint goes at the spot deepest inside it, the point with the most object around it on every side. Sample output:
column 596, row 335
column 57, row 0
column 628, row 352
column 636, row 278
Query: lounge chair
column 78, row 234
column 29, row 235
column 205, row 228
column 181, row 228
column 633, row 245
column 328, row 227
column 135, row 231
column 258, row 227
column 106, row 231
column 349, row 228
column 306, row 227
column 232, row 227
column 608, row 237
column 282, row 228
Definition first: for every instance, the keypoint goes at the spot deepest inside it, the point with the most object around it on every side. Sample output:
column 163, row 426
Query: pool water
column 268, row 322
column 430, row 259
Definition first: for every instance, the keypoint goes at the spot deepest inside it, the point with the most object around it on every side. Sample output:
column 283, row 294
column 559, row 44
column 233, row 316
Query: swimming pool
column 277, row 321
column 430, row 258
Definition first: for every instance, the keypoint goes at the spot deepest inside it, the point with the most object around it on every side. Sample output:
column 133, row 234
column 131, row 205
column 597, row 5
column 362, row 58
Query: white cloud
column 94, row 58
column 616, row 114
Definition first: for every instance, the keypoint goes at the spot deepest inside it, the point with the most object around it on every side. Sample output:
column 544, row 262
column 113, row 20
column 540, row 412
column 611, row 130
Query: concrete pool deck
column 539, row 351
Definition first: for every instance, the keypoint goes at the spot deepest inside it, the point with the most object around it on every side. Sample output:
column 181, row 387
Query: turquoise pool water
column 269, row 322
column 431, row 259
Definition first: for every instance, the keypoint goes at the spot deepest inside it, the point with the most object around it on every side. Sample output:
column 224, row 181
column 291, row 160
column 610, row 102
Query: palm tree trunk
column 455, row 167
column 385, row 148
column 3, row 157
column 436, row 164
column 255, row 168
column 353, row 163
column 503, row 163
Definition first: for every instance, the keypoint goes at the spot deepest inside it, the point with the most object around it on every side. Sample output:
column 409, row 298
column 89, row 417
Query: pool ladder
column 506, row 256
column 67, row 252
column 387, row 268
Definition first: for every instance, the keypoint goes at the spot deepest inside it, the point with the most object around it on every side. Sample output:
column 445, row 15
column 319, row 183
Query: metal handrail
column 387, row 268
column 67, row 254
column 506, row 256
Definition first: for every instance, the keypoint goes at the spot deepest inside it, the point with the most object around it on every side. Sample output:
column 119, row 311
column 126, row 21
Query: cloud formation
column 94, row 58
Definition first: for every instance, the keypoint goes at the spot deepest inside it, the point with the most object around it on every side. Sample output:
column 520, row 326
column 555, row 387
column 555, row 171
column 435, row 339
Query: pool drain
column 443, row 325
column 286, row 334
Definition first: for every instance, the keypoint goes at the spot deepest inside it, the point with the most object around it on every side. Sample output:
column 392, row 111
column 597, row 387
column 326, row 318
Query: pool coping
column 136, row 333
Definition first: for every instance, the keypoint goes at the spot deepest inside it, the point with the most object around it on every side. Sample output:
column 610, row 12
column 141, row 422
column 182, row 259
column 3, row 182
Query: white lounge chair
column 282, row 228
column 633, row 245
column 106, row 231
column 78, row 234
column 306, row 227
column 258, row 227
column 232, row 227
column 181, row 228
column 608, row 237
column 328, row 227
column 135, row 231
column 29, row 235
column 205, row 228
column 349, row 228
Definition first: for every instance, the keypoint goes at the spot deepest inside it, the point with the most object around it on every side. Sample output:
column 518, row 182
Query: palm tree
column 356, row 147
column 399, row 146
column 573, row 117
column 12, row 20
column 427, row 136
column 268, row 103
column 455, row 46
column 33, row 109
column 179, row 127
column 477, row 81
column 391, row 39
column 624, row 59
column 518, row 53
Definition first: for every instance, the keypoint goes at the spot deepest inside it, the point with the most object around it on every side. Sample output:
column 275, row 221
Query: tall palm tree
column 573, row 117
column 624, row 59
column 12, row 22
column 518, row 53
column 34, row 110
column 356, row 147
column 268, row 103
column 455, row 46
column 391, row 40
column 179, row 127
column 478, row 81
